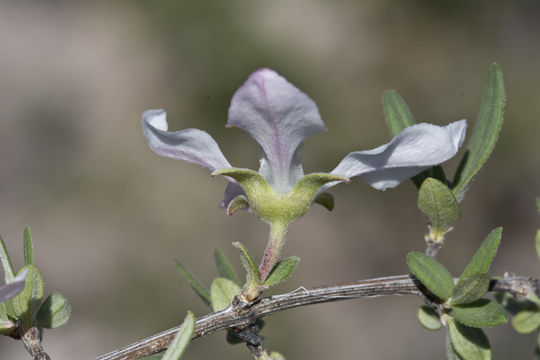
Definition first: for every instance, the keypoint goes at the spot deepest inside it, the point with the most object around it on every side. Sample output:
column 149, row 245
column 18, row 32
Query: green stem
column 273, row 249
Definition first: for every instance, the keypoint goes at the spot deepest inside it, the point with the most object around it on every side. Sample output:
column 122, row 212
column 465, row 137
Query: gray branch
column 240, row 315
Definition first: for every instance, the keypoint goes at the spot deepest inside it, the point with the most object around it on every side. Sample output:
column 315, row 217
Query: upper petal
column 191, row 145
column 410, row 152
column 279, row 117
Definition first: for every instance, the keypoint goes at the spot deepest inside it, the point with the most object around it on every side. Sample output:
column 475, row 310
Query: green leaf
column 224, row 267
column 27, row 303
column 198, row 286
column 538, row 204
column 28, row 247
column 276, row 356
column 54, row 312
column 9, row 274
column 153, row 357
column 428, row 318
column 451, row 353
column 396, row 112
column 437, row 203
column 527, row 321
column 469, row 343
column 481, row 313
column 483, row 257
column 282, row 270
column 469, row 289
column 222, row 293
column 182, row 339
column 432, row 274
column 253, row 275
column 485, row 133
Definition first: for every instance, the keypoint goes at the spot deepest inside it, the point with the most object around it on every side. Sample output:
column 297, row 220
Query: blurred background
column 108, row 215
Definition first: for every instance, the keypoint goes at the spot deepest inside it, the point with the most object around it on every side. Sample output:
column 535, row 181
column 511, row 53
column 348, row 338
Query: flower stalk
column 273, row 248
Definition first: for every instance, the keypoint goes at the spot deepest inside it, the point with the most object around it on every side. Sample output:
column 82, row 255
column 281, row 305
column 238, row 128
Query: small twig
column 240, row 314
column 32, row 342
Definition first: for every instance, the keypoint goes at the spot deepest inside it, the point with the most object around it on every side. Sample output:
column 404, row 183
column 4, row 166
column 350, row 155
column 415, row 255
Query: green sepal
column 481, row 261
column 281, row 271
column 485, row 133
column 326, row 200
column 181, row 339
column 527, row 321
column 428, row 318
column 238, row 203
column 9, row 273
column 469, row 343
column 27, row 303
column 196, row 285
column 396, row 112
column 432, row 274
column 28, row 247
column 439, row 206
column 469, row 289
column 222, row 293
column 54, row 312
column 250, row 180
column 481, row 313
column 224, row 267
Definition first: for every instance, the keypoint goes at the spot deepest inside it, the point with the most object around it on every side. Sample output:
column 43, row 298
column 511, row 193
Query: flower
column 13, row 288
column 280, row 117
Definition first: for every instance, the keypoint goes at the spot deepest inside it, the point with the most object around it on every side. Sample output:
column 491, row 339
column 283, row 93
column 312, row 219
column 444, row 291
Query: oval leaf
column 481, row 313
column 222, row 293
column 428, row 318
column 485, row 133
column 451, row 353
column 469, row 343
column 438, row 204
column 282, row 270
column 432, row 274
column 527, row 321
column 224, row 267
column 481, row 261
column 54, row 312
column 469, row 289
column 27, row 303
column 181, row 340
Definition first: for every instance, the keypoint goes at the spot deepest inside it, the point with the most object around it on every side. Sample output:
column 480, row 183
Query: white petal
column 279, row 117
column 191, row 145
column 410, row 152
column 12, row 289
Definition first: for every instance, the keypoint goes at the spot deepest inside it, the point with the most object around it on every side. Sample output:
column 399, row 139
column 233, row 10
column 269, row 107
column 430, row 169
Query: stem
column 273, row 249
column 241, row 315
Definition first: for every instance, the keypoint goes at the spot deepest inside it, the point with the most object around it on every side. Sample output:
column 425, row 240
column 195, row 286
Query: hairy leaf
column 198, row 286
column 253, row 275
column 481, row 313
column 439, row 206
column 222, row 293
column 396, row 112
column 9, row 273
column 27, row 303
column 469, row 289
column 28, row 247
column 485, row 133
column 181, row 339
column 54, row 312
column 527, row 321
column 432, row 274
column 282, row 270
column 483, row 257
column 469, row 343
column 224, row 267
column 428, row 318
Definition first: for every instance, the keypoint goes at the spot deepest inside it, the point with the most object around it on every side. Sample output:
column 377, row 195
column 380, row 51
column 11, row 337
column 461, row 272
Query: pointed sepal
column 326, row 200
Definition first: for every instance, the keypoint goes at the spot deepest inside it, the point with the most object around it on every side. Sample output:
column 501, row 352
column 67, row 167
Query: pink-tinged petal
column 12, row 289
column 410, row 152
column 279, row 117
column 191, row 145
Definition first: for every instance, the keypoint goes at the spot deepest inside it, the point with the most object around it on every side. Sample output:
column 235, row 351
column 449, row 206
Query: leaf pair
column 482, row 141
column 27, row 307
